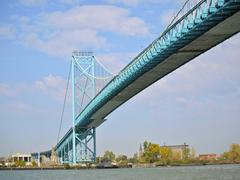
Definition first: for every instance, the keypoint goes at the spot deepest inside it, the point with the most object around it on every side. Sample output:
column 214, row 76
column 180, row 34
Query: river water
column 222, row 172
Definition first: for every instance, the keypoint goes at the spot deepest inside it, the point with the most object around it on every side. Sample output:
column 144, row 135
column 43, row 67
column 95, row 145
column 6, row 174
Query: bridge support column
column 94, row 144
column 86, row 145
column 73, row 116
column 74, row 148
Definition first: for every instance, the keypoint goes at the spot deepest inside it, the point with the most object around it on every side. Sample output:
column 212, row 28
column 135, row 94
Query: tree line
column 164, row 155
column 152, row 153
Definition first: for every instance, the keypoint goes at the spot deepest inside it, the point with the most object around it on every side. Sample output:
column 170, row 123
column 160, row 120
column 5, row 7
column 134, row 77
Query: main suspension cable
column 175, row 17
column 64, row 102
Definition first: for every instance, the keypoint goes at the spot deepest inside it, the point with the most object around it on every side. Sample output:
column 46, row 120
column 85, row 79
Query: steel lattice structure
column 83, row 91
column 88, row 77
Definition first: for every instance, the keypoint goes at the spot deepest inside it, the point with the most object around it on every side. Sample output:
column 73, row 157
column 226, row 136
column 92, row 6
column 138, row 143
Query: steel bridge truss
column 88, row 77
column 83, row 91
column 84, row 148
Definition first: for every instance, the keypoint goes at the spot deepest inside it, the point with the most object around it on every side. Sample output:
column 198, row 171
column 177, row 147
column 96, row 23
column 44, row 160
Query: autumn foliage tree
column 166, row 155
column 233, row 155
column 151, row 152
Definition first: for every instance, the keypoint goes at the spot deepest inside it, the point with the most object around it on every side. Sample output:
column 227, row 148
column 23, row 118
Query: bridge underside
column 209, row 39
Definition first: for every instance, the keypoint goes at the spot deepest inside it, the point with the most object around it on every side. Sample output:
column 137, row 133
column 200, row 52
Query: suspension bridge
column 196, row 28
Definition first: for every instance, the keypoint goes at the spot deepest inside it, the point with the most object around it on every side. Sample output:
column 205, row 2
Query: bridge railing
column 176, row 22
column 179, row 27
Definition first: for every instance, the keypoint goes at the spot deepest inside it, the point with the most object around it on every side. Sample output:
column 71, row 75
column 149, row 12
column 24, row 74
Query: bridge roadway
column 203, row 27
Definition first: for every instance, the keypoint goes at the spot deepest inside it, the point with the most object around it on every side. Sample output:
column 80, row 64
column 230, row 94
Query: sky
column 198, row 103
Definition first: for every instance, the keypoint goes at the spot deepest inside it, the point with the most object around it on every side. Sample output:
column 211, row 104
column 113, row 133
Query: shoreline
column 114, row 167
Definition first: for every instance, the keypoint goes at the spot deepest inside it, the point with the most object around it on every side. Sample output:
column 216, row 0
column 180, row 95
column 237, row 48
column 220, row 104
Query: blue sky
column 197, row 104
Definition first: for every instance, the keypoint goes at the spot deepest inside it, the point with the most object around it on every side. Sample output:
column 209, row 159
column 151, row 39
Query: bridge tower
column 83, row 91
column 88, row 77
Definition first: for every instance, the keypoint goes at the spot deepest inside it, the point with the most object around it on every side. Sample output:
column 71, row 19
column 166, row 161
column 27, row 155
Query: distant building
column 3, row 161
column 178, row 149
column 21, row 157
column 46, row 158
column 207, row 157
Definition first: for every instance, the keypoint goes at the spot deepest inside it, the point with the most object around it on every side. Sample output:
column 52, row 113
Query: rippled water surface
column 197, row 172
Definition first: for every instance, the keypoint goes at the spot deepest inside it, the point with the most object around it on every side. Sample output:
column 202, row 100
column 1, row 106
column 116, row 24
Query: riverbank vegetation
column 154, row 154
column 149, row 155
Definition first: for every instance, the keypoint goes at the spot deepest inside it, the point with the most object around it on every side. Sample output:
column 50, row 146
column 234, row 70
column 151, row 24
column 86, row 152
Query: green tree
column 20, row 164
column 34, row 164
column 134, row 159
column 122, row 159
column 151, row 152
column 155, row 152
column 186, row 154
column 145, row 145
column 98, row 159
column 233, row 154
column 108, row 156
column 166, row 155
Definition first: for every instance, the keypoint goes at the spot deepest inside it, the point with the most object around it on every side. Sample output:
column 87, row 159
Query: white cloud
column 98, row 17
column 7, row 32
column 54, row 86
column 13, row 90
column 64, row 42
column 115, row 61
column 50, row 85
column 59, row 33
column 5, row 90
